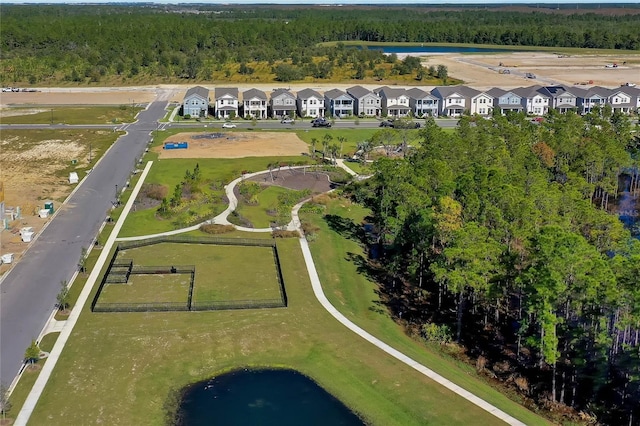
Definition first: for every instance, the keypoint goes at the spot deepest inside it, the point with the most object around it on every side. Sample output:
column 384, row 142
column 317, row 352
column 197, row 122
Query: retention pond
column 262, row 397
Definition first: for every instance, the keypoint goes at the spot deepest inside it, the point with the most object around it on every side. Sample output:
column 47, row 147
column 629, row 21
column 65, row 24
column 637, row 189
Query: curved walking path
column 295, row 224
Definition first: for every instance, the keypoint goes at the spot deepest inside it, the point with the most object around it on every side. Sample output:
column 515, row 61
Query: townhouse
column 366, row 102
column 310, row 103
column 422, row 103
column 254, row 104
column 196, row 102
column 226, row 102
column 338, row 104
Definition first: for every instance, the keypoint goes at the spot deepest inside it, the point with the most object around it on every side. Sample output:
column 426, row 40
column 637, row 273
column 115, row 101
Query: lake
column 436, row 49
column 262, row 397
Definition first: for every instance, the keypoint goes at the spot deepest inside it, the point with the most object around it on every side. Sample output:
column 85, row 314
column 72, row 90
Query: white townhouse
column 310, row 103
column 196, row 102
column 622, row 100
column 366, row 102
column 422, row 104
column 481, row 103
column 282, row 104
column 533, row 101
column 226, row 102
column 562, row 99
column 338, row 103
column 505, row 101
column 635, row 92
column 254, row 104
column 591, row 98
column 453, row 100
column 395, row 102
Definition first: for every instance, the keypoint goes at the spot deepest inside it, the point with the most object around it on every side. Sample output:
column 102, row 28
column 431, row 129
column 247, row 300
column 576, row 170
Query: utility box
column 49, row 206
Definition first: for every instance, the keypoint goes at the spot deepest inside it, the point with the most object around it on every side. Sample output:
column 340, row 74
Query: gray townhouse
column 310, row 103
column 505, row 102
column 254, row 104
column 282, row 104
column 422, row 103
column 338, row 104
column 196, row 102
column 453, row 101
column 562, row 98
column 366, row 102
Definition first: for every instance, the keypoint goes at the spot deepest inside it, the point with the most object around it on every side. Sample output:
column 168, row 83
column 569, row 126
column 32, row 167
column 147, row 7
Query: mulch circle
column 296, row 179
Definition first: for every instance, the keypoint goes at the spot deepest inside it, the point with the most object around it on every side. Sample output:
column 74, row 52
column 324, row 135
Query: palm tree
column 314, row 142
column 326, row 140
column 334, row 149
column 342, row 140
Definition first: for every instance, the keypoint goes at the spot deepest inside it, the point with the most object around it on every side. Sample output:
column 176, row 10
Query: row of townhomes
column 445, row 101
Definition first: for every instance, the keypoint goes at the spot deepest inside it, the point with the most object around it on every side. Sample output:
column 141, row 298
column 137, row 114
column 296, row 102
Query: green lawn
column 258, row 214
column 156, row 288
column 73, row 115
column 360, row 168
column 339, row 260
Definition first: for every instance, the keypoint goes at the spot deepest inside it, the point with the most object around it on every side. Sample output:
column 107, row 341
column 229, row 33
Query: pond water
column 262, row 397
column 437, row 49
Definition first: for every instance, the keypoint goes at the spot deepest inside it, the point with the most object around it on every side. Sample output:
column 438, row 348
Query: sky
column 333, row 3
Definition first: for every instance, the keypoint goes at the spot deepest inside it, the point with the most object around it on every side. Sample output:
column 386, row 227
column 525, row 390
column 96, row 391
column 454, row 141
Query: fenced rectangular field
column 224, row 274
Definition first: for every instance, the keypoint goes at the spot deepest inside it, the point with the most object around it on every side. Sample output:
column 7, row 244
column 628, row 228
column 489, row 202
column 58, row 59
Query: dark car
column 320, row 122
column 386, row 123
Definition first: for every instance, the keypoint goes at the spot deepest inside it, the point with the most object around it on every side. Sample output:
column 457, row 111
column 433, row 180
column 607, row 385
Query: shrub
column 309, row 228
column 154, row 191
column 187, row 116
column 216, row 229
column 280, row 233
column 436, row 333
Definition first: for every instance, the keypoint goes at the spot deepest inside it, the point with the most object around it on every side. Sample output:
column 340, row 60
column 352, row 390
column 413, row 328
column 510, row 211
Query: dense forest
column 504, row 237
column 87, row 43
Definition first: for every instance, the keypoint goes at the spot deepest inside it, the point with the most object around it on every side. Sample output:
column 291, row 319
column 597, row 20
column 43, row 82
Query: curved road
column 28, row 292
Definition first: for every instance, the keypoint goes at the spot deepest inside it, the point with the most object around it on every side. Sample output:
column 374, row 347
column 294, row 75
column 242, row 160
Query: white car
column 229, row 126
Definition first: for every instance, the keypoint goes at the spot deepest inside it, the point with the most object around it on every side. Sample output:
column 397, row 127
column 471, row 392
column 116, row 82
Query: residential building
column 254, row 104
column 623, row 100
column 534, row 102
column 422, row 104
column 196, row 102
column 453, row 101
column 481, row 104
column 282, row 103
column 366, row 103
column 310, row 103
column 226, row 102
column 562, row 99
column 505, row 101
column 395, row 102
column 588, row 99
column 338, row 104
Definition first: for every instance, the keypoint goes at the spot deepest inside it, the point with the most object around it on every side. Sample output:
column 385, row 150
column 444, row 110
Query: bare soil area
column 297, row 179
column 90, row 96
column 481, row 71
column 234, row 145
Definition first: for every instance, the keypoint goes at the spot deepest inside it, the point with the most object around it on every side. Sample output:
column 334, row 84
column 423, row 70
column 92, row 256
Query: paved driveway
column 28, row 292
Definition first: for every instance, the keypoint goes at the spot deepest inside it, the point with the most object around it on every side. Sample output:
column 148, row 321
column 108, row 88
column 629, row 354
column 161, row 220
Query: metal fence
column 116, row 274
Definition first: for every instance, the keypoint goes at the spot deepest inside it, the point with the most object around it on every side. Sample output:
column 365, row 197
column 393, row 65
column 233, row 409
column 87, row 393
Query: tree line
column 90, row 42
column 504, row 237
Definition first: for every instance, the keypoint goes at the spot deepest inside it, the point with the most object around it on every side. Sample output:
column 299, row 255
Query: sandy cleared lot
column 95, row 96
column 235, row 145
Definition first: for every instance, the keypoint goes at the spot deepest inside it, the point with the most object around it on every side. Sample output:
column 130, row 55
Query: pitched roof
column 254, row 93
column 496, row 92
column 203, row 92
column 359, row 92
column 601, row 91
column 416, row 93
column 334, row 93
column 529, row 92
column 446, row 91
column 222, row 91
column 278, row 92
column 391, row 92
column 308, row 93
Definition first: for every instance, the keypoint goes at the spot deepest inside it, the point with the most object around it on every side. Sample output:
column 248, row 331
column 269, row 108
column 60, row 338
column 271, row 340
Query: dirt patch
column 85, row 96
column 481, row 71
column 21, row 111
column 235, row 145
column 297, row 179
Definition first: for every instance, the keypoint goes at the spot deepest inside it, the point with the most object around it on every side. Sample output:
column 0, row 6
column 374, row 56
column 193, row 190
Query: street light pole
column 117, row 195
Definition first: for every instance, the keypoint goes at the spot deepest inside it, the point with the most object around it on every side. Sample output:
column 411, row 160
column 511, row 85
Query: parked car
column 287, row 120
column 320, row 122
column 530, row 75
column 386, row 123
column 229, row 126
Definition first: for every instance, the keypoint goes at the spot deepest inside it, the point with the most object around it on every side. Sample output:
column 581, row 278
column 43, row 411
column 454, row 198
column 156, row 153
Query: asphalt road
column 28, row 292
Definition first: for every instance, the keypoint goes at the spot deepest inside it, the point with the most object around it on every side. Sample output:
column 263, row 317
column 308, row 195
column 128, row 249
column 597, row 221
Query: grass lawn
column 360, row 168
column 147, row 288
column 73, row 115
column 338, row 259
column 215, row 174
column 119, row 368
column 267, row 201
